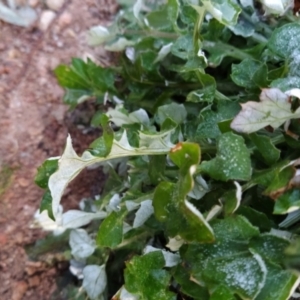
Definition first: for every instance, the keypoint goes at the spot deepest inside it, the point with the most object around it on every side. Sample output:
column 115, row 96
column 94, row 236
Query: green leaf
column 232, row 199
column 102, row 79
column 45, row 171
column 184, row 154
column 285, row 84
column 274, row 109
column 243, row 27
column 292, row 252
column 222, row 292
column 287, row 202
column 284, row 40
column 157, row 165
column 195, row 227
column 102, row 146
column 181, row 219
column 73, row 77
column 235, row 227
column 250, row 74
column 280, row 284
column 244, row 274
column 183, row 47
column 280, row 181
column 270, row 247
column 218, row 50
column 173, row 12
column 144, row 276
column 255, row 217
column 83, row 79
column 232, row 237
column 232, row 161
column 176, row 112
column 46, row 204
column 74, row 97
column 169, row 201
column 265, row 177
column 226, row 11
column 162, row 201
column 266, row 148
column 162, row 19
column 208, row 128
column 110, row 233
column 206, row 93
column 189, row 287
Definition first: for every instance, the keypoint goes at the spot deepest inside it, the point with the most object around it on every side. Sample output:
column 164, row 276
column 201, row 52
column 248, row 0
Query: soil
column 33, row 126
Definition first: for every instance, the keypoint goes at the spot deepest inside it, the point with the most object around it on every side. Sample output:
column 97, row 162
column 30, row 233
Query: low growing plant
column 201, row 147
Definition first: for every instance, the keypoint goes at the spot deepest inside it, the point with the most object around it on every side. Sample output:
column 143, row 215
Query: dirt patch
column 34, row 126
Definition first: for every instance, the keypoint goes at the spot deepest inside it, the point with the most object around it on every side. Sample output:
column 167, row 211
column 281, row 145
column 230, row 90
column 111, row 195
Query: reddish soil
column 33, row 126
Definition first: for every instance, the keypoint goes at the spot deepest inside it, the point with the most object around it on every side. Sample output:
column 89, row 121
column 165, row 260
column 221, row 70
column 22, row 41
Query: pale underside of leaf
column 81, row 244
column 23, row 16
column 94, row 280
column 144, row 212
column 70, row 164
column 171, row 259
column 119, row 117
column 274, row 110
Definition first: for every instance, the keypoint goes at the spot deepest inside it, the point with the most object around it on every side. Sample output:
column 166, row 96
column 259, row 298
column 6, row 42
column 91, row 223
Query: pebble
column 3, row 239
column 13, row 54
column 34, row 281
column 33, row 267
column 47, row 17
column 55, row 4
column 19, row 290
column 65, row 19
column 33, row 3
column 23, row 182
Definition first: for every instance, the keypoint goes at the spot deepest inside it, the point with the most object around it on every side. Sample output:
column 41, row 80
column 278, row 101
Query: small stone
column 19, row 290
column 71, row 33
column 23, row 182
column 13, row 54
column 33, row 3
column 34, row 281
column 65, row 19
column 33, row 267
column 55, row 4
column 47, row 17
column 3, row 239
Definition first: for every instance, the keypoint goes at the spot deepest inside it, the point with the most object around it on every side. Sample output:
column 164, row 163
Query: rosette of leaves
column 200, row 143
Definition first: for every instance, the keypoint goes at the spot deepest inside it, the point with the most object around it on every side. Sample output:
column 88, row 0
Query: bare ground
column 33, row 126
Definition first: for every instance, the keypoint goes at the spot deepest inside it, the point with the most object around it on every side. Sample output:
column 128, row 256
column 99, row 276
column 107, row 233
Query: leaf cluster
column 200, row 143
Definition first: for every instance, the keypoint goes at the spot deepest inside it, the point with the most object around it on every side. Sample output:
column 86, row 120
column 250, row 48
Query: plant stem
column 154, row 33
column 232, row 51
column 197, row 29
column 133, row 239
column 259, row 38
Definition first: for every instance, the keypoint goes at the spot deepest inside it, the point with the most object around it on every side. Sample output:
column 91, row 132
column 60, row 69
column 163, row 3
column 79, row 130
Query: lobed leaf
column 232, row 161
column 110, row 233
column 225, row 12
column 94, row 280
column 144, row 276
column 274, row 109
column 70, row 164
column 81, row 244
column 244, row 274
